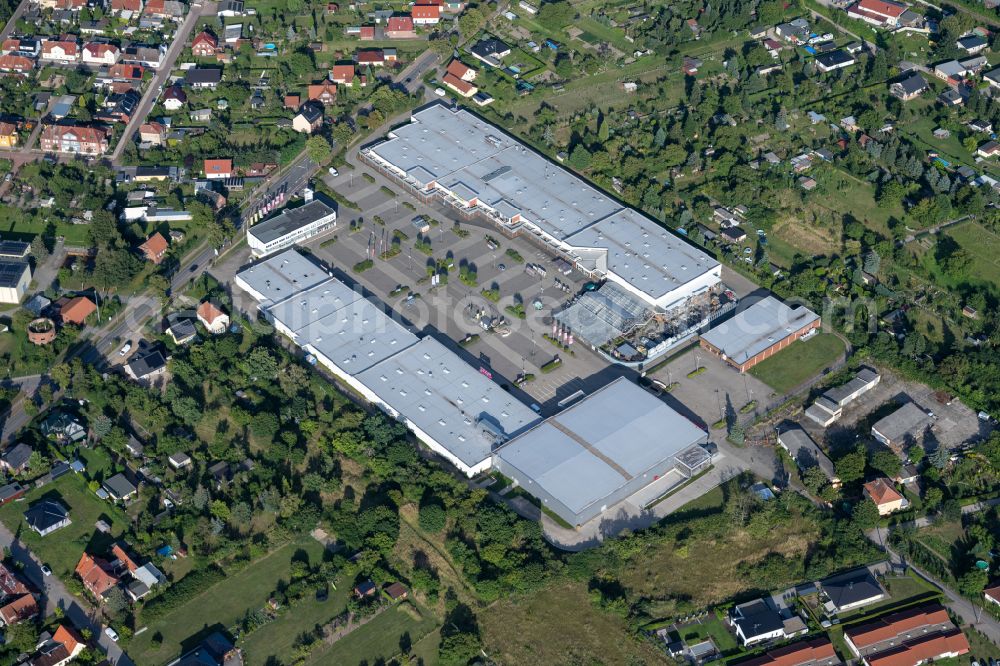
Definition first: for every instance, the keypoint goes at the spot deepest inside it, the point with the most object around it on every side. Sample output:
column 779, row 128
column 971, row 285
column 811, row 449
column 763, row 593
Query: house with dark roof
column 47, row 516
column 490, row 50
column 755, row 622
column 851, row 590
column 908, row 88
column 203, row 77
column 148, row 363
column 15, row 459
column 120, row 488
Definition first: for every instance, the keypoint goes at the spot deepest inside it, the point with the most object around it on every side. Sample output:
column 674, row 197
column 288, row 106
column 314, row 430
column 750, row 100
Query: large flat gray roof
column 464, row 153
column 643, row 253
column 591, row 449
column 281, row 275
column 905, row 421
column 761, row 325
column 290, row 219
column 333, row 320
column 447, row 399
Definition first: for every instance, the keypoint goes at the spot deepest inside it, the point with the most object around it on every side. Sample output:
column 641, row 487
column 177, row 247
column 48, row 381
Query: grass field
column 559, row 625
column 983, row 246
column 379, row 640
column 273, row 641
column 61, row 550
column 76, row 234
column 941, row 536
column 799, row 362
column 225, row 603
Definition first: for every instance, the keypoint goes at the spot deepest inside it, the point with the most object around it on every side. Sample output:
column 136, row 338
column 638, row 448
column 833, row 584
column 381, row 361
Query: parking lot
column 450, row 308
column 707, row 397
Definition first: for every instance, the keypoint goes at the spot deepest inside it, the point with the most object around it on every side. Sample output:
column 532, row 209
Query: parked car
column 333, row 172
column 111, row 633
column 440, row 92
column 46, row 570
column 125, row 349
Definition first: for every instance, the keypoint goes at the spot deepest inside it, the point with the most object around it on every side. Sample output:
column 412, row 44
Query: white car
column 126, row 349
column 440, row 92
column 333, row 172
column 111, row 633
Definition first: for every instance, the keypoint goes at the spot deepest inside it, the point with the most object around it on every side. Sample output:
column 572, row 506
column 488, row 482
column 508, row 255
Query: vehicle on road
column 440, row 92
column 333, row 172
column 111, row 633
column 46, row 570
column 502, row 267
column 126, row 348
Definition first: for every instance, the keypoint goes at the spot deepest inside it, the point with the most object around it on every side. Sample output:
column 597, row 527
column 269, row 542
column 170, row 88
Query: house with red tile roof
column 884, row 494
column 881, row 13
column 220, row 169
column 119, row 6
column 462, row 87
column 458, row 68
column 923, row 650
column 213, row 318
column 19, row 610
column 97, row 575
column 367, row 33
column 204, row 44
column 371, row 57
column 399, row 27
column 324, row 93
column 76, row 310
column 810, row 652
column 70, row 639
column 889, row 631
column 16, row 64
column 343, row 74
column 426, row 14
column 60, row 50
column 99, row 53
column 155, row 247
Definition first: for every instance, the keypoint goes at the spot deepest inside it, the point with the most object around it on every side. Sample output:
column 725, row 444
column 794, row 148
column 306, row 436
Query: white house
column 97, row 53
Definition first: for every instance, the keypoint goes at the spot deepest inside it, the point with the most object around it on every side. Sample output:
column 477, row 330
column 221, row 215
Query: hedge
column 182, row 592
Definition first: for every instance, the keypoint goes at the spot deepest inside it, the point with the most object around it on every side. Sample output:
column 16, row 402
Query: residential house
column 308, row 119
column 11, row 492
column 810, row 652
column 147, row 56
column 460, row 70
column 365, row 589
column 325, row 93
column 796, row 31
column 853, row 589
column 155, row 248
column 8, row 135
column 230, row 8
column 147, row 364
column 880, row 13
column 174, row 98
column 370, row 57
column 23, row 46
column 951, row 71
column 76, row 310
column 99, row 53
column 992, row 594
column 759, row 621
column 63, row 51
column 425, row 14
column 828, row 62
column 152, row 133
column 97, row 575
column 126, row 6
column 218, row 169
column 203, row 77
column 459, row 85
column 972, row 44
column 886, row 497
column 18, row 610
column 396, row 591
column 16, row 64
column 47, row 516
column 179, row 460
column 897, row 638
column 400, row 27
column 60, row 649
column 119, row 488
column 63, row 427
column 690, row 66
column 15, row 459
column 204, row 44
column 981, row 126
column 74, row 139
column 212, row 318
column 344, row 74
column 988, row 149
column 975, row 64
column 490, row 50
column 908, row 88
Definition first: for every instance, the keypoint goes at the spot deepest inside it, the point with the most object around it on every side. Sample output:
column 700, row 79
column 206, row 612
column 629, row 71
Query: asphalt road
column 55, row 595
column 198, row 10
column 412, row 76
column 9, row 28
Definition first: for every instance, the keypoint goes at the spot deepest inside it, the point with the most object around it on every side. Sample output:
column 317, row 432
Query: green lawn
column 223, row 604
column 799, row 362
column 274, row 641
column 983, row 246
column 76, row 234
column 710, row 627
column 379, row 640
column 61, row 550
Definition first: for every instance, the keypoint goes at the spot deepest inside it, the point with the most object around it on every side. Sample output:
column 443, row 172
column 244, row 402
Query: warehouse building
column 602, row 450
column 829, row 407
column 453, row 408
column 806, row 453
column 280, row 276
column 15, row 276
column 458, row 412
column 456, row 157
column 291, row 226
column 759, row 332
column 903, row 428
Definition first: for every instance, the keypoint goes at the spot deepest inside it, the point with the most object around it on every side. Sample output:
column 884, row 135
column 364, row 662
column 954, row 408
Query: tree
column 580, row 157
column 865, row 515
column 886, row 462
column 432, row 517
column 318, row 149
column 851, row 467
column 972, row 583
column 933, row 497
column 22, row 637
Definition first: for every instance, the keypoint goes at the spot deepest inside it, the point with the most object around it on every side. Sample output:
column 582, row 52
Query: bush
column 181, row 592
column 551, row 365
column 362, row 266
column 432, row 518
